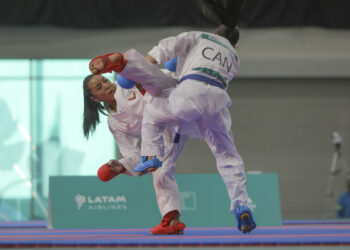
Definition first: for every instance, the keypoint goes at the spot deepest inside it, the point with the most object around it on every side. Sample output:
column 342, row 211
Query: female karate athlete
column 125, row 110
column 206, row 64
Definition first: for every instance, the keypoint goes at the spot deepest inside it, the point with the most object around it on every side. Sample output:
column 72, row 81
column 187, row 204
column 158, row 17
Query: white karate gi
column 125, row 125
column 211, row 56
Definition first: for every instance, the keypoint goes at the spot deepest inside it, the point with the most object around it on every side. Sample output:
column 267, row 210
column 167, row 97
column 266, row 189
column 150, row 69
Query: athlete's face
column 101, row 89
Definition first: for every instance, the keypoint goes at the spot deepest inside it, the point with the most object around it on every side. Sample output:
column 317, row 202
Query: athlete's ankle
column 244, row 215
column 174, row 221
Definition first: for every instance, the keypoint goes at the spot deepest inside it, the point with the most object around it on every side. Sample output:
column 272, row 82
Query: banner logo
column 80, row 200
column 101, row 202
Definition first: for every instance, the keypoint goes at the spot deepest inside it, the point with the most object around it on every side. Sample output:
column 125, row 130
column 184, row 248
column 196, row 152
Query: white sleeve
column 128, row 147
column 171, row 47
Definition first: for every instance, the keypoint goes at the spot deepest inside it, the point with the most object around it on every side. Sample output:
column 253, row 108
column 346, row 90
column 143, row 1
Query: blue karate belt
column 202, row 78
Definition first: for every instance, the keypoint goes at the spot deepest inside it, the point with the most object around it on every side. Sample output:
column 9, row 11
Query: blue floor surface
column 23, row 224
column 263, row 236
column 317, row 222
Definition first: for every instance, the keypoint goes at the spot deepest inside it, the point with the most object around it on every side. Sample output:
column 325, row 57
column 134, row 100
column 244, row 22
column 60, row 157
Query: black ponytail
column 226, row 13
column 91, row 109
column 231, row 34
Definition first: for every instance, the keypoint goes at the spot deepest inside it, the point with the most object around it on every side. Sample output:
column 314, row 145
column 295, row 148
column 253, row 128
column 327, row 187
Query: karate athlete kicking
column 206, row 64
column 125, row 110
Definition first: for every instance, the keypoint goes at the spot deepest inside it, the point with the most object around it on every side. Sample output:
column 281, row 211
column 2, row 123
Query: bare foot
column 99, row 63
column 96, row 66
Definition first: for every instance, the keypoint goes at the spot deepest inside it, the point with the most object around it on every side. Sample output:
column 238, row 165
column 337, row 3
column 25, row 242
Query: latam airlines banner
column 86, row 202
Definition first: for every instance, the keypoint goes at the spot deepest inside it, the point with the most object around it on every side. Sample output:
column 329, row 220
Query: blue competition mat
column 23, row 224
column 262, row 236
column 316, row 222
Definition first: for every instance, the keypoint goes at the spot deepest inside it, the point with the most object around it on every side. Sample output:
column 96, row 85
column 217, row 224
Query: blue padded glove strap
column 240, row 210
column 144, row 165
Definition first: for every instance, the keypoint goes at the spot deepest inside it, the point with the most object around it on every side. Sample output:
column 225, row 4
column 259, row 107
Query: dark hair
column 91, row 109
column 226, row 13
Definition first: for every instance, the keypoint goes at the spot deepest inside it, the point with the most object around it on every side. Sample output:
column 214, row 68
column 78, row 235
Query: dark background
column 131, row 13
